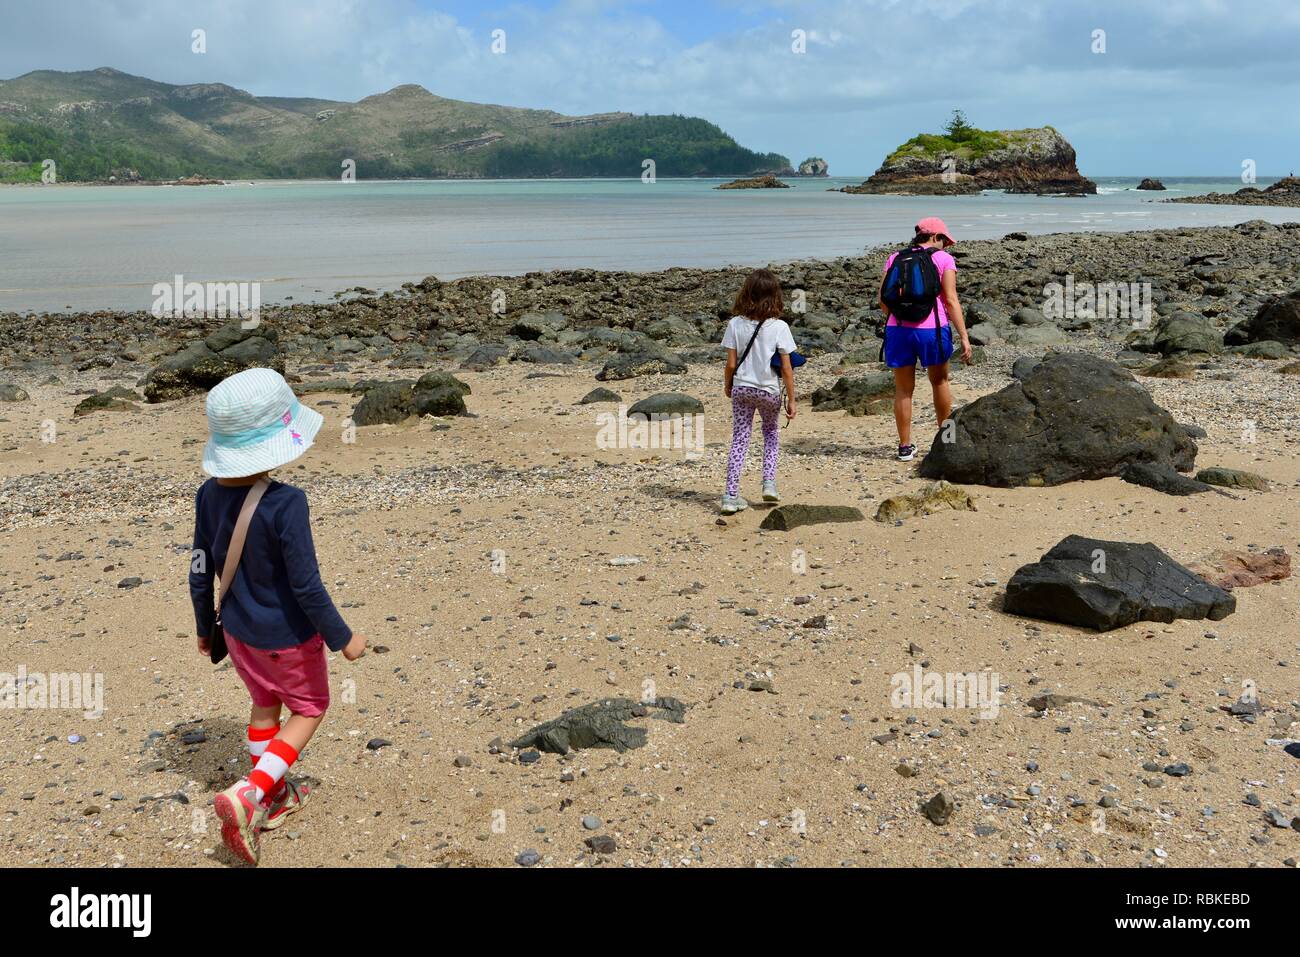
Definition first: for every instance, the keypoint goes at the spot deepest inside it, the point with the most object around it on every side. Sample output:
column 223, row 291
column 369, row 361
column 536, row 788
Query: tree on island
column 958, row 128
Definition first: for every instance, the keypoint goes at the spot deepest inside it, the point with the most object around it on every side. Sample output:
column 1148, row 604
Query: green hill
column 98, row 123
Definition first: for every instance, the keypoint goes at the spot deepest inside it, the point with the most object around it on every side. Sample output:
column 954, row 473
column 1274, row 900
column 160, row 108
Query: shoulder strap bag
column 217, row 637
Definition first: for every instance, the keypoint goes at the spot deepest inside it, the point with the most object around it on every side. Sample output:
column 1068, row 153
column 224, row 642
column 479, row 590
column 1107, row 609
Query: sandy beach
column 505, row 569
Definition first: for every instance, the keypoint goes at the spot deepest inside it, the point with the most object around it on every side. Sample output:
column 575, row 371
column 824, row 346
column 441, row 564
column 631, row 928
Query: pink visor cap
column 937, row 227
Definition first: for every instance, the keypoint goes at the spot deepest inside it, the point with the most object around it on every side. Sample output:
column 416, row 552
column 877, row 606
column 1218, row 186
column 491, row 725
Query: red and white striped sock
column 272, row 767
column 257, row 740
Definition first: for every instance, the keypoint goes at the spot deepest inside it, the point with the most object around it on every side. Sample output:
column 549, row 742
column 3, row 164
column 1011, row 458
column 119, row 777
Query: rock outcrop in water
column 1018, row 161
column 1285, row 192
column 769, row 181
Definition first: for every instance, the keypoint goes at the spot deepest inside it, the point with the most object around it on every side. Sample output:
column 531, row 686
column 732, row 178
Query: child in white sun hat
column 273, row 616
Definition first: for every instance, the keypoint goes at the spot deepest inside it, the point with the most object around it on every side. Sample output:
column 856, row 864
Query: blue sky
column 1192, row 87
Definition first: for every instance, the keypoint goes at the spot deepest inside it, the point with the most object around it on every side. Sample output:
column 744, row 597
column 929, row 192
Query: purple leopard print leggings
column 744, row 400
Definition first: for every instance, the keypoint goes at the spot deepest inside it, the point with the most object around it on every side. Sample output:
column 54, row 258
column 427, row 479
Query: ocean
column 104, row 247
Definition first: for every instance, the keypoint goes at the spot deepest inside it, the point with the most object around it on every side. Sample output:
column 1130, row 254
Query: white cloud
column 1182, row 88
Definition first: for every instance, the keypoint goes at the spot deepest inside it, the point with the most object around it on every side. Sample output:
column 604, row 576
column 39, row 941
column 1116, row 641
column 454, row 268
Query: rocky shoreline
column 1219, row 276
column 530, row 592
column 1285, row 192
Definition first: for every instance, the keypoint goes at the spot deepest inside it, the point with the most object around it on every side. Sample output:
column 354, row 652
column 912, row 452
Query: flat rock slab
column 1104, row 585
column 939, row 497
column 789, row 517
column 600, row 724
column 1233, row 478
column 667, row 403
column 1053, row 700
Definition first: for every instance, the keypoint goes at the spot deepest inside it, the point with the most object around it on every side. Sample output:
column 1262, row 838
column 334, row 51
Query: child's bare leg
column 265, row 716
column 298, row 730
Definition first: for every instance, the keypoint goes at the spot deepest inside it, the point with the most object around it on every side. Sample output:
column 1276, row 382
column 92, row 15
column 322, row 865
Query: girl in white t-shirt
column 754, row 334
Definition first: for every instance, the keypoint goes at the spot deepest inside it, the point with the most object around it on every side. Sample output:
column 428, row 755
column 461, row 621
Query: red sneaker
column 289, row 801
column 241, row 818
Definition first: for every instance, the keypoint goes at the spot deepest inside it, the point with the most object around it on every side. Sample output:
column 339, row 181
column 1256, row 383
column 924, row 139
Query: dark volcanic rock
column 1278, row 319
column 1183, row 333
column 853, row 395
column 198, row 367
column 599, row 725
column 786, row 518
column 1104, row 585
column 385, row 404
column 1072, row 417
column 485, row 357
column 639, row 364
column 1150, row 183
column 758, row 182
column 1162, row 478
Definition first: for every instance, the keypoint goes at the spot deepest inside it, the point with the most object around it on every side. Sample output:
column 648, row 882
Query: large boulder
column 387, row 403
column 1104, row 585
column 1072, row 417
column 201, row 365
column 533, row 326
column 1185, row 333
column 1278, row 319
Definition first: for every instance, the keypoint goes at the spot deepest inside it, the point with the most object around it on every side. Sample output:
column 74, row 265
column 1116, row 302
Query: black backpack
column 911, row 287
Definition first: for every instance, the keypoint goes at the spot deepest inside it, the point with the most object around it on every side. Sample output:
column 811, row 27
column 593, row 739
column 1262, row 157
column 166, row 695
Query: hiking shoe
column 289, row 801
column 770, row 493
column 731, row 504
column 906, row 453
column 241, row 818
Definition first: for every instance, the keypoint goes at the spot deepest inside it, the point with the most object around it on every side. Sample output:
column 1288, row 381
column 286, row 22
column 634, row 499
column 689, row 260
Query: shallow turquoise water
column 100, row 247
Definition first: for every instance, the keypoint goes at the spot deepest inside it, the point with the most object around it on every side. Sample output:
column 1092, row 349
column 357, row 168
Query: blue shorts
column 905, row 345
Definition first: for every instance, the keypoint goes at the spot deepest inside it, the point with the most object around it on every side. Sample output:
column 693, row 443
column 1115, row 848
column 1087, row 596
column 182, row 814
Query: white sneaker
column 731, row 504
column 770, row 493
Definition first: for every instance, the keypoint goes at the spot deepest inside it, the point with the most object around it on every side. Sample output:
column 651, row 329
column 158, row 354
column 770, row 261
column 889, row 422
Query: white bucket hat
column 256, row 424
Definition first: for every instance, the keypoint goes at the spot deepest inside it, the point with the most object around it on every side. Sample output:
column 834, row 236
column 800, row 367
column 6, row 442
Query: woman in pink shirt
column 907, row 343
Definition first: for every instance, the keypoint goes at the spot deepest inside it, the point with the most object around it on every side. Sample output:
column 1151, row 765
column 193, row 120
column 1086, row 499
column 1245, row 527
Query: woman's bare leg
column 942, row 392
column 904, row 384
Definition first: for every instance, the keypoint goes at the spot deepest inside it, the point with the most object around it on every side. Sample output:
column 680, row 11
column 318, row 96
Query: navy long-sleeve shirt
column 277, row 599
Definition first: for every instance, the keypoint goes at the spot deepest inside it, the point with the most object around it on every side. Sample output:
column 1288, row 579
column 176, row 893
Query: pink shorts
column 296, row 677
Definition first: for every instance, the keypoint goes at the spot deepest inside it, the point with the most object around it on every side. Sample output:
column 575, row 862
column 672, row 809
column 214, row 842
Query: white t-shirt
column 756, row 371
